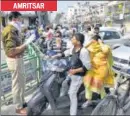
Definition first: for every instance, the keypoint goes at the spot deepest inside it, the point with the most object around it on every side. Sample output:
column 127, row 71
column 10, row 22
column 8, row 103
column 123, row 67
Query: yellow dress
column 101, row 74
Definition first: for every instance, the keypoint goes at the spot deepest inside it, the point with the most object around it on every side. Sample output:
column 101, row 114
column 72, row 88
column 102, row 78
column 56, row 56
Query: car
column 121, row 58
column 98, row 25
column 112, row 36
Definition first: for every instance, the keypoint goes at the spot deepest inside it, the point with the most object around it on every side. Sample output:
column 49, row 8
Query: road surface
column 10, row 109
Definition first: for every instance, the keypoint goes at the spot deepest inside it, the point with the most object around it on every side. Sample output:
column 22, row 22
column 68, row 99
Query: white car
column 121, row 57
column 112, row 36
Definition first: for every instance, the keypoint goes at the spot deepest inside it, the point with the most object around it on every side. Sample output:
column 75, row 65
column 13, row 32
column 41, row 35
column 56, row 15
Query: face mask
column 19, row 24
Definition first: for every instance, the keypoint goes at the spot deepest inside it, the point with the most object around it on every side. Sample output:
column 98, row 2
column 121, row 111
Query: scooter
column 49, row 89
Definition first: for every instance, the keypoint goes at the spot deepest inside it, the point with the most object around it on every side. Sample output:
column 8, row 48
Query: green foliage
column 120, row 6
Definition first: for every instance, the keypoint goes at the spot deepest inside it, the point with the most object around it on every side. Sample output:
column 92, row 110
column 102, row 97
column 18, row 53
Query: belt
column 18, row 56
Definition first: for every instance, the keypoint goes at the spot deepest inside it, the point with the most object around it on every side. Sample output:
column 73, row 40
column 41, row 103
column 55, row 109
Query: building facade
column 86, row 12
column 119, row 13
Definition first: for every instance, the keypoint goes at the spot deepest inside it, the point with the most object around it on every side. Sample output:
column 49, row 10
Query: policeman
column 14, row 49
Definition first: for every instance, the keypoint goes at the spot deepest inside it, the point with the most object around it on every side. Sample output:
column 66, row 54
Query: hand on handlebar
column 53, row 57
column 56, row 56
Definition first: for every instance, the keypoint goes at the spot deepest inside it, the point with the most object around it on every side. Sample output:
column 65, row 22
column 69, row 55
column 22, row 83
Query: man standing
column 58, row 45
column 88, row 35
column 48, row 34
column 14, row 49
column 92, row 28
column 96, row 30
column 123, row 29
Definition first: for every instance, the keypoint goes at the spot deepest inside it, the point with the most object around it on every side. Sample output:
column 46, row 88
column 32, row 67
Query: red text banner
column 31, row 5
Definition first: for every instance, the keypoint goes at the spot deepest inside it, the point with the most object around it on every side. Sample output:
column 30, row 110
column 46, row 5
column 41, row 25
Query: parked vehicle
column 112, row 36
column 121, row 57
column 98, row 25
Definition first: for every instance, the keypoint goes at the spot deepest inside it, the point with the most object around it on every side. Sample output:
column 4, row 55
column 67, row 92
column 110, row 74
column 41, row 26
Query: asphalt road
column 10, row 109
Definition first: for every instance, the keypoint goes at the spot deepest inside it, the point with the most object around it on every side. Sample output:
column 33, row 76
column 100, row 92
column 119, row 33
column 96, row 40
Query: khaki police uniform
column 11, row 39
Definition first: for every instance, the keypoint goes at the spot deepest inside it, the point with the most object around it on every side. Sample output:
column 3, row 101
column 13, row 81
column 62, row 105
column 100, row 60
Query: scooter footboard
column 51, row 89
column 37, row 103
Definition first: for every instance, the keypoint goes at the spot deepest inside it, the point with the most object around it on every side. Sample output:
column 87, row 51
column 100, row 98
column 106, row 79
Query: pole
column 112, row 15
column 39, row 17
column 123, row 11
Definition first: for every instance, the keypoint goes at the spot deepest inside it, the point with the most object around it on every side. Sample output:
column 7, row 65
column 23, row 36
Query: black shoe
column 25, row 105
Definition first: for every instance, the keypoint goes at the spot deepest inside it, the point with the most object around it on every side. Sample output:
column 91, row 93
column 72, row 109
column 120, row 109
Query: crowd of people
column 91, row 59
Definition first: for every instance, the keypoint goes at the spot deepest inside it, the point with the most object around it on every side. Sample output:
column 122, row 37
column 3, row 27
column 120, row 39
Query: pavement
column 86, row 111
column 10, row 109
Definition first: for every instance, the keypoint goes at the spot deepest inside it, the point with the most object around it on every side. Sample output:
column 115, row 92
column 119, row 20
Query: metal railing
column 33, row 73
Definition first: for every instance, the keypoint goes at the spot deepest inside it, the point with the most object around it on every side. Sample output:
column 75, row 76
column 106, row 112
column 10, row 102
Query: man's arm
column 74, row 71
column 12, row 52
column 10, row 47
column 65, row 53
column 105, row 48
column 85, row 58
column 68, row 52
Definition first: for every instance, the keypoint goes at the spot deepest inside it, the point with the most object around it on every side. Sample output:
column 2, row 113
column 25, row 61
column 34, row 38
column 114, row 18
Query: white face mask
column 19, row 24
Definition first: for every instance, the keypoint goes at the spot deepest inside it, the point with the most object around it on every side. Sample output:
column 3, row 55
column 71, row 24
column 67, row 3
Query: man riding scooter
column 57, row 45
column 80, row 63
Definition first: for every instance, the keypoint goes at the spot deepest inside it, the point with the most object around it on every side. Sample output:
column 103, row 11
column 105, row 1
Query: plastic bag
column 58, row 65
column 108, row 106
column 30, row 39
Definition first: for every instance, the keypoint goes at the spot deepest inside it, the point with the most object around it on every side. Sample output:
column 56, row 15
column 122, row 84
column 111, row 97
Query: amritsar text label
column 28, row 6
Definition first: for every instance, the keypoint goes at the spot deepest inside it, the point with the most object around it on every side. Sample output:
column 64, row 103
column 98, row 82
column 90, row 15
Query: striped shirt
column 58, row 48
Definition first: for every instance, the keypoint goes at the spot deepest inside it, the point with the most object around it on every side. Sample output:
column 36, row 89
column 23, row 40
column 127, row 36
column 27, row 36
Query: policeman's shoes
column 22, row 111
